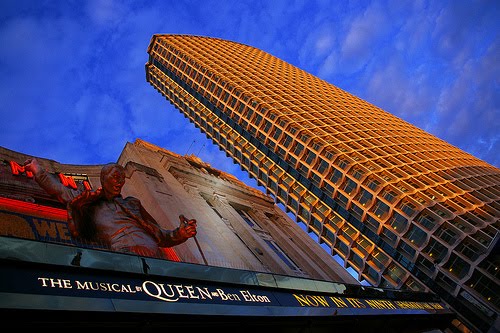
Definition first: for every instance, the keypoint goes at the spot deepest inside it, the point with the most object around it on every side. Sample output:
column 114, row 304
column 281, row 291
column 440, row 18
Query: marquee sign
column 67, row 180
column 172, row 293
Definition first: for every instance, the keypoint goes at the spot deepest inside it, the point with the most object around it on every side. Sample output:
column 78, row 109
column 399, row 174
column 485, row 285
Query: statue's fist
column 31, row 165
column 187, row 228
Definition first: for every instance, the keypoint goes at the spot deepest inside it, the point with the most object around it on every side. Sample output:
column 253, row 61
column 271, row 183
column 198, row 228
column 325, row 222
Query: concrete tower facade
column 401, row 207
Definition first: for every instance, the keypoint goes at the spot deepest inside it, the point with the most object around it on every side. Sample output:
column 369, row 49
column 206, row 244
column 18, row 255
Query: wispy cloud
column 73, row 84
column 363, row 36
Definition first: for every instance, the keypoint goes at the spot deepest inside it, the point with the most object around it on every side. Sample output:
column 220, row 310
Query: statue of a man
column 105, row 216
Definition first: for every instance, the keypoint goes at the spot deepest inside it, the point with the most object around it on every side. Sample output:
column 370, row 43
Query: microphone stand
column 185, row 221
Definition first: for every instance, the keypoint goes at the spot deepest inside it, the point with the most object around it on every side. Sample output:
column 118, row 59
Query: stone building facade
column 238, row 226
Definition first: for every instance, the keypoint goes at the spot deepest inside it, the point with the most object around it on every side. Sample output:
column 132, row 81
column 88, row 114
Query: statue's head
column 112, row 179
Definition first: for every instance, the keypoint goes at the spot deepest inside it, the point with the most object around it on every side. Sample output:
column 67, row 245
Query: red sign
column 17, row 169
column 66, row 180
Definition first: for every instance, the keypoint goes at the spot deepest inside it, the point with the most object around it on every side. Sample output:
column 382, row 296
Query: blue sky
column 73, row 87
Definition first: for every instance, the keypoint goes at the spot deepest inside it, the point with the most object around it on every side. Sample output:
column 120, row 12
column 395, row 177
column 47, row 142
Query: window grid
column 374, row 148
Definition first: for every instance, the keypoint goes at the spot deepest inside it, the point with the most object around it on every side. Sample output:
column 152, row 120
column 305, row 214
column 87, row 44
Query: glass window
column 336, row 176
column 276, row 173
column 389, row 236
column 380, row 209
column 445, row 282
column 342, row 163
column 469, row 217
column 246, row 217
column 426, row 221
column 365, row 197
column 447, row 234
column 372, row 274
column 408, row 208
column 436, row 250
column 357, row 211
column 398, row 222
column 304, row 213
column 364, row 244
column 258, row 119
column 292, row 204
column 470, row 249
column 349, row 186
column 304, row 137
column 425, row 264
column 387, row 177
column 372, row 223
column 457, row 266
column 315, row 223
column 440, row 212
column 267, row 126
column 343, row 248
column 373, row 184
column 407, row 249
column 395, row 272
column 379, row 259
column 329, row 235
column 342, row 199
column 462, row 225
column 310, row 157
column 335, row 221
column 289, row 262
column 329, row 154
column 356, row 260
column 303, row 169
column 389, row 195
column 328, row 189
column 281, row 152
column 316, row 145
column 402, row 187
column 298, row 149
column 287, row 140
column 322, row 166
column 490, row 230
column 358, row 173
column 411, row 284
column 292, row 160
column 321, row 208
column 492, row 265
column 277, row 133
column 287, row 180
column 485, row 287
column 416, row 235
column 482, row 238
column 249, row 114
column 315, row 178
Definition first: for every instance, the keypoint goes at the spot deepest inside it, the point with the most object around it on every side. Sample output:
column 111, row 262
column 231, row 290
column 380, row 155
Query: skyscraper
column 401, row 207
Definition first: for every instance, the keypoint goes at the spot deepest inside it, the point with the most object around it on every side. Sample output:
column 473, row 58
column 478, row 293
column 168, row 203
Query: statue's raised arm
column 103, row 215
